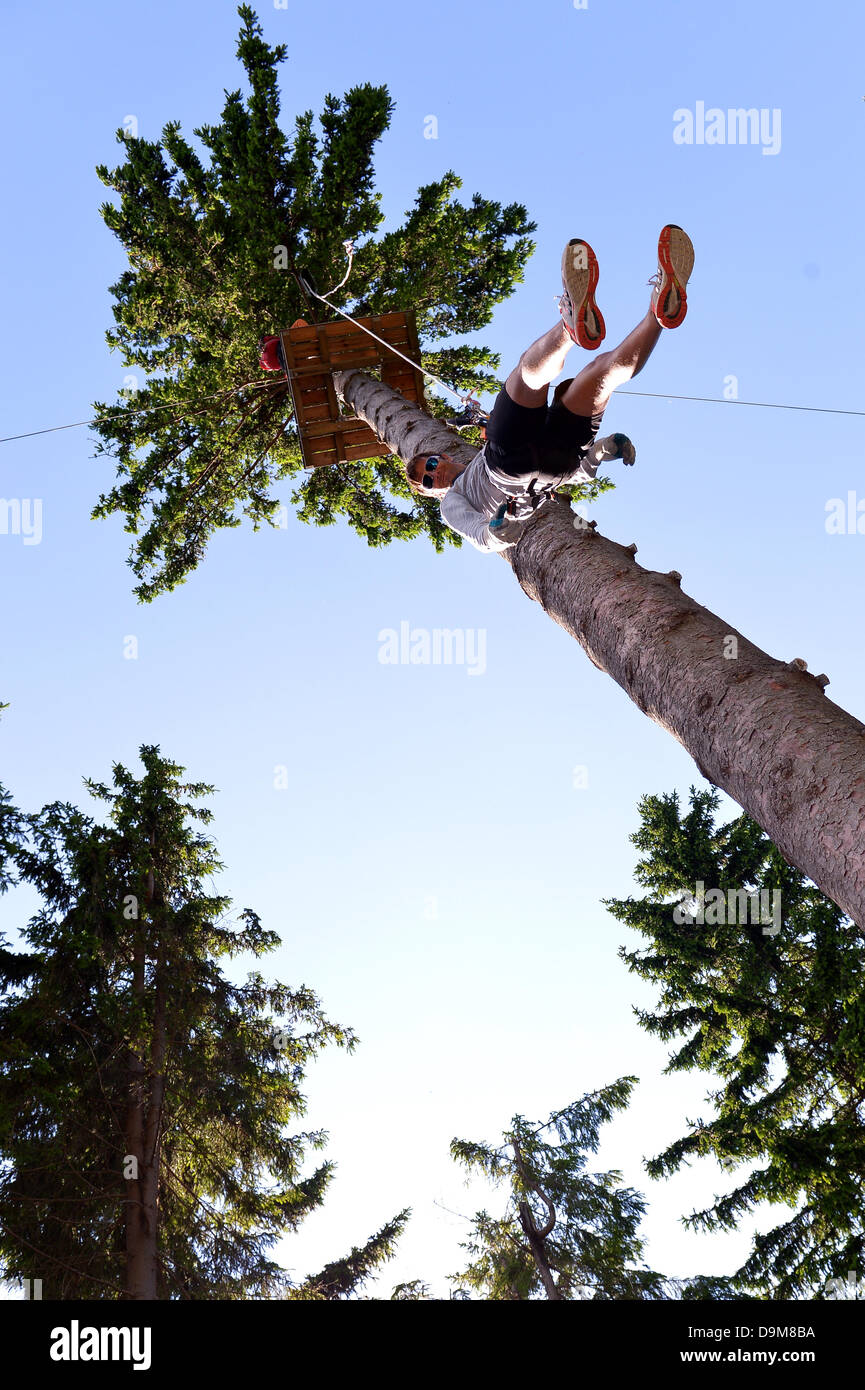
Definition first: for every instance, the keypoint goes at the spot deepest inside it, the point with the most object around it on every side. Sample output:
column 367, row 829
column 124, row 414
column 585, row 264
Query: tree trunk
column 539, row 1255
column 759, row 728
column 143, row 1129
column 153, row 1128
column 138, row 1234
column 535, row 1237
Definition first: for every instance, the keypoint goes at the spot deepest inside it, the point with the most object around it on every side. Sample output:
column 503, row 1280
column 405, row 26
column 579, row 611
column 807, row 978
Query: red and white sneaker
column 675, row 263
column 582, row 317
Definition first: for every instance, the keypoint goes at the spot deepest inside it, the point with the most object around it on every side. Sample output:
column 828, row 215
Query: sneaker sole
column 581, row 280
column 676, row 259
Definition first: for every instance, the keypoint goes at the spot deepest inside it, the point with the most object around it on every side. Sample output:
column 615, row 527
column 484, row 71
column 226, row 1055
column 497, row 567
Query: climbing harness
column 471, row 416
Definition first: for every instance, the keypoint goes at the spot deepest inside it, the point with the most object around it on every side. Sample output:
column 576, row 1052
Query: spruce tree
column 213, row 234
column 565, row 1233
column 767, row 998
column 145, row 1098
column 343, row 1278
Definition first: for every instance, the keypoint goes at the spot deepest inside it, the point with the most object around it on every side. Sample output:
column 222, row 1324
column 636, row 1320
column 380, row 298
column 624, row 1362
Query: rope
column 144, row 410
column 258, row 385
column 468, row 401
column 349, row 246
column 767, row 405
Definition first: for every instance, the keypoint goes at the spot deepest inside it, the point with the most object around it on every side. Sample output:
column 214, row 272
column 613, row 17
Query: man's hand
column 505, row 529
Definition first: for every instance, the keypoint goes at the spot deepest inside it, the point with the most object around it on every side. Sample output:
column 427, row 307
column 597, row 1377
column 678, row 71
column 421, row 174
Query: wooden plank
column 307, row 347
column 375, row 450
column 352, row 334
column 355, row 347
column 321, row 460
column 296, row 407
column 327, row 453
column 311, row 381
column 391, row 320
column 314, row 352
column 338, row 347
column 420, row 380
column 317, row 394
column 401, row 340
column 314, row 398
column 332, row 456
column 332, row 400
column 294, row 349
column 394, row 327
column 312, row 392
column 309, row 350
column 346, row 425
column 403, row 336
column 307, row 411
column 315, row 368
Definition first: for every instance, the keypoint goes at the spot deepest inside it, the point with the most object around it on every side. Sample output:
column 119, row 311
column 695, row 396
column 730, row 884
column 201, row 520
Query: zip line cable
column 655, row 395
column 257, row 385
column 768, row 405
column 468, row 401
column 324, row 299
column 660, row 395
column 121, row 412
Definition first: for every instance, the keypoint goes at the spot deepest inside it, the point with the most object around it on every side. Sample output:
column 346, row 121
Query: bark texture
column 140, row 1270
column 759, row 728
column 144, row 1127
column 537, row 1236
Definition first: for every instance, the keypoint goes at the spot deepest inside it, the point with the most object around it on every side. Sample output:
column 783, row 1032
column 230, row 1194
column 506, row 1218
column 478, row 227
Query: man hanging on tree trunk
column 532, row 447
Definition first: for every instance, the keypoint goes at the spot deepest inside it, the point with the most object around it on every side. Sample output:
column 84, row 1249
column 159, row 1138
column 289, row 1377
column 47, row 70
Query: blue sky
column 433, row 870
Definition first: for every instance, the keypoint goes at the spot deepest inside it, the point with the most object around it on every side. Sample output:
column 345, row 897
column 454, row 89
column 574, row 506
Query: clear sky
column 431, row 866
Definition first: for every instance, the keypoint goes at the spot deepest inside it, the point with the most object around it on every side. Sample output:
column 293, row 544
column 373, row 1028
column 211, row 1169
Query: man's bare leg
column 589, row 392
column 539, row 365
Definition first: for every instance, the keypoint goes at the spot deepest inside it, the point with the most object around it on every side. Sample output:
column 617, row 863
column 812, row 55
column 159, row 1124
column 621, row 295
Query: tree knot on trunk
column 798, row 664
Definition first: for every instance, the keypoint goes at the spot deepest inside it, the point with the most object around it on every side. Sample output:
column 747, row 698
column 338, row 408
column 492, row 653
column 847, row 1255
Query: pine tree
column 144, row 1097
column 341, row 1278
column 213, row 237
column 768, row 997
column 565, row 1233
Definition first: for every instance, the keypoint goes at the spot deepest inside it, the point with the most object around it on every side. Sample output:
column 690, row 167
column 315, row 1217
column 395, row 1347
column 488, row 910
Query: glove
column 505, row 529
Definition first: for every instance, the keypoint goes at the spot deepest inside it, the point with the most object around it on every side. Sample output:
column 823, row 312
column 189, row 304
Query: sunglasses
column 428, row 479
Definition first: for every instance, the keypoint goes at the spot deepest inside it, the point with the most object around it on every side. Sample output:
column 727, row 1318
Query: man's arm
column 461, row 516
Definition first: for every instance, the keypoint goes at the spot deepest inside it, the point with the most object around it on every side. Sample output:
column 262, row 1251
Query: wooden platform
column 312, row 352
